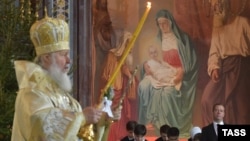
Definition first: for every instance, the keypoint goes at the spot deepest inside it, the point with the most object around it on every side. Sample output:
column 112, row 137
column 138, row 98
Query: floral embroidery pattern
column 56, row 124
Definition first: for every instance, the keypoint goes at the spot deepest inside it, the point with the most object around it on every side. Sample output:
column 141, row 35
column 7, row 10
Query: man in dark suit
column 130, row 127
column 209, row 132
column 173, row 134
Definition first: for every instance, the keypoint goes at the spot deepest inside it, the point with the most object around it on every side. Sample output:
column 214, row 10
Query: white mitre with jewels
column 49, row 35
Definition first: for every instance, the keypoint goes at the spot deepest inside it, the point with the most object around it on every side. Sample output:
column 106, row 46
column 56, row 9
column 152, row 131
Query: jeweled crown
column 49, row 35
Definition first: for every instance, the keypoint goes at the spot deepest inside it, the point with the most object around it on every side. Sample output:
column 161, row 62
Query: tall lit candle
column 128, row 48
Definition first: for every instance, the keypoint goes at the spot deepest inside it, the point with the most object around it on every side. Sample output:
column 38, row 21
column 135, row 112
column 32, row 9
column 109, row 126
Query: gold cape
column 43, row 111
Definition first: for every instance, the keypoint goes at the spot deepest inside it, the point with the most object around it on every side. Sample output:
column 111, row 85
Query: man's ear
column 46, row 59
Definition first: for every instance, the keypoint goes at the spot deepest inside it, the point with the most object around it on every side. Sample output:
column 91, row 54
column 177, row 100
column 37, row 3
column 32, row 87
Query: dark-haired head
column 164, row 128
column 173, row 134
column 140, row 129
column 217, row 104
column 130, row 126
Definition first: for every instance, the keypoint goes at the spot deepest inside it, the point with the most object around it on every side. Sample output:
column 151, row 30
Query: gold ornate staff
column 130, row 81
column 102, row 127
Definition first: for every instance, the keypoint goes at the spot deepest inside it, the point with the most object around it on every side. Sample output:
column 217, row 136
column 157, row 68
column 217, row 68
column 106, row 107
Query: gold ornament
column 87, row 133
column 49, row 35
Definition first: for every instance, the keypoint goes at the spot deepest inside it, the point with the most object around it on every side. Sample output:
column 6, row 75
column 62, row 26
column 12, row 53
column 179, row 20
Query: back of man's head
column 164, row 128
column 140, row 130
column 130, row 126
column 173, row 132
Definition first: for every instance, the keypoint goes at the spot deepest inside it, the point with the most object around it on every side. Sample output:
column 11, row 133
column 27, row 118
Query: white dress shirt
column 216, row 127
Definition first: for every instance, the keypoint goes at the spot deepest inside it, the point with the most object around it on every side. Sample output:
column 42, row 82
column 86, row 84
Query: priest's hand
column 92, row 115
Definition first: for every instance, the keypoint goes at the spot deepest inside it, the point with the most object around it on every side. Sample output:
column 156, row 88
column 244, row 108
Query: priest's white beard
column 61, row 78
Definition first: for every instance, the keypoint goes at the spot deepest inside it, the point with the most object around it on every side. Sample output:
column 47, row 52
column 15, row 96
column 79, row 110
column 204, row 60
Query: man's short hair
column 130, row 126
column 140, row 129
column 217, row 104
column 173, row 132
column 164, row 128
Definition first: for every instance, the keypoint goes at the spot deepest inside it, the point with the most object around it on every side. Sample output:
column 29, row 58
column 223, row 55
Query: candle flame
column 148, row 4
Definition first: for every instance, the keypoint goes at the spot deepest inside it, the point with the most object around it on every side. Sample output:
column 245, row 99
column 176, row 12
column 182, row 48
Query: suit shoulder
column 208, row 127
column 158, row 139
column 124, row 138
